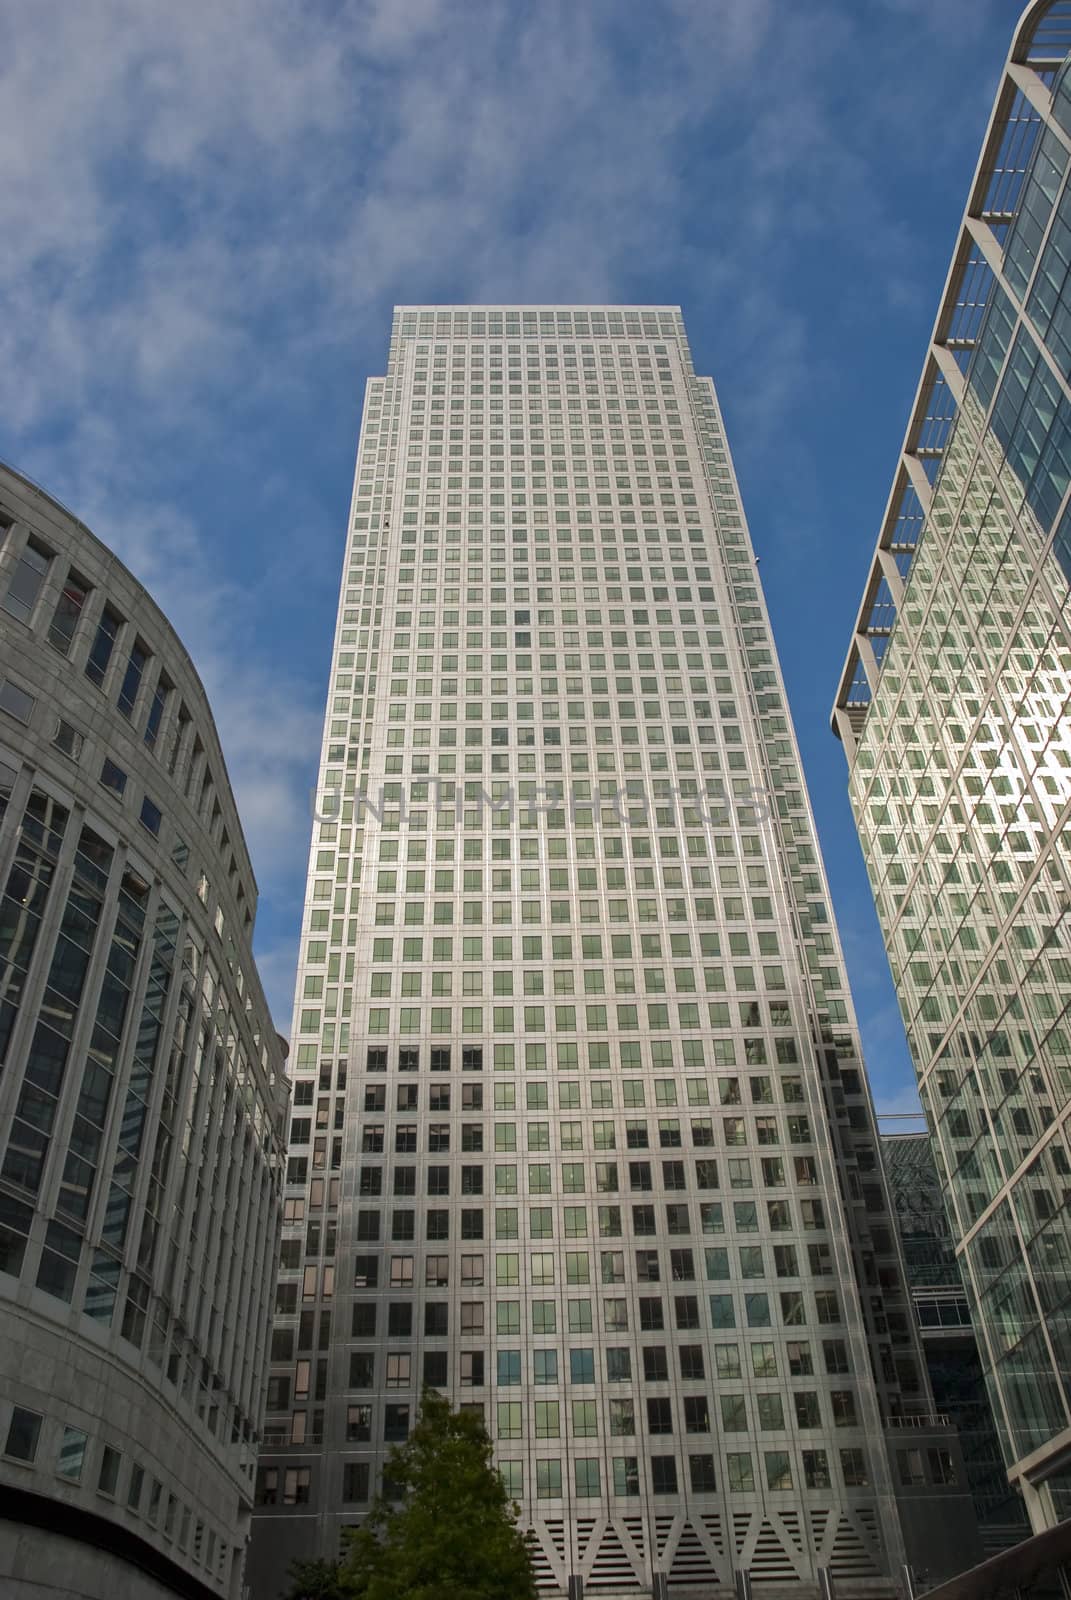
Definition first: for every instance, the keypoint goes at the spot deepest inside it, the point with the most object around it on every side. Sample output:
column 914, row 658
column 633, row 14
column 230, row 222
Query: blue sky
column 207, row 212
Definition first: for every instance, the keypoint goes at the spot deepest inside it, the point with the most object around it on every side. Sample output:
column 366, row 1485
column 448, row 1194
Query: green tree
column 316, row 1580
column 452, row 1533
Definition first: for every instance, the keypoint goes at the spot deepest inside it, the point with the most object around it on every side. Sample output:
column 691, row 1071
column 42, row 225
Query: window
column 615, row 1316
column 764, row 1360
column 68, row 613
column 757, row 1310
column 471, row 1368
column 701, row 1474
column 800, row 1364
column 266, row 1492
column 651, row 1314
column 696, row 1414
column 365, row 1272
column 396, row 1422
column 582, row 1366
column 545, row 1366
column 727, row 1360
column 16, row 702
column 542, row 1268
column 585, row 1419
column 733, row 1413
column 843, row 1404
column 618, row 1366
column 26, row 581
column 436, row 1369
column 771, row 1411
column 358, row 1424
column 436, row 1319
column 156, row 711
column 355, row 1483
column 362, row 1369
column 151, row 816
column 682, row 1268
column 655, row 1364
column 72, row 1454
column 296, row 1482
column 664, row 1474
column 509, row 1419
column 691, row 1363
column 108, row 1476
column 135, row 667
column 67, row 739
column 547, row 1419
column 113, row 778
column 942, row 1466
column 59, row 1261
column 23, row 1432
column 472, row 1316
column 368, row 1225
column 659, row 1415
column 399, row 1371
column 103, row 644
column 401, row 1272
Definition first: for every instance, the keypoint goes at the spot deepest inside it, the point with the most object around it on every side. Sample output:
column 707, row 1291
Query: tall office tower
column 580, row 1133
column 142, row 1096
column 953, row 711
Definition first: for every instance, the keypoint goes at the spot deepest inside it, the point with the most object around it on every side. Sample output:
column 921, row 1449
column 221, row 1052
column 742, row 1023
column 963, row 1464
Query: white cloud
column 201, row 204
column 172, row 176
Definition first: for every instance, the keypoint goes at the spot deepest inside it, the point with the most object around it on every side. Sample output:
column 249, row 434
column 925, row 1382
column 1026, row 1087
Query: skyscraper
column 142, row 1095
column 581, row 1134
column 953, row 711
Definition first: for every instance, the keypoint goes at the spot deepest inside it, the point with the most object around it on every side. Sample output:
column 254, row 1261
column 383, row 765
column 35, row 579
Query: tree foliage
column 316, row 1580
column 452, row 1532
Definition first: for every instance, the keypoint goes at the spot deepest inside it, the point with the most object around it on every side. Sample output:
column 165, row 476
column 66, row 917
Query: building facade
column 581, row 1134
column 953, row 710
column 142, row 1097
column 943, row 1316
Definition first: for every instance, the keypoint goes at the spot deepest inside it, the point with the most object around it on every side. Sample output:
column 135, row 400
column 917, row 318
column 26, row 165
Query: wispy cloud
column 207, row 210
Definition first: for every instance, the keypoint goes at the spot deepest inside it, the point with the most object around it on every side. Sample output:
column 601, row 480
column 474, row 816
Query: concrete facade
column 141, row 1090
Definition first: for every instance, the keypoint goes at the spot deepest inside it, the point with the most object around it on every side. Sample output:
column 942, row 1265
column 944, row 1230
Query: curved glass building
column 954, row 713
column 141, row 1092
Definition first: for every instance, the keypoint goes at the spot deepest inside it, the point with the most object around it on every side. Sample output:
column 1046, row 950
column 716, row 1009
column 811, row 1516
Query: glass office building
column 581, row 1135
column 953, row 710
column 943, row 1315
